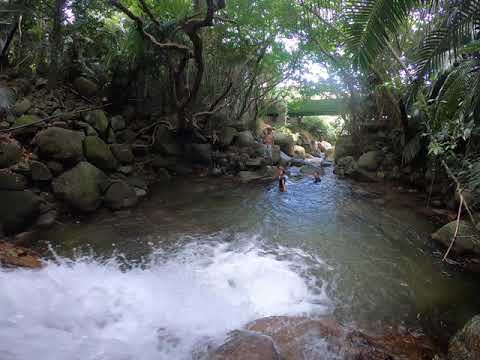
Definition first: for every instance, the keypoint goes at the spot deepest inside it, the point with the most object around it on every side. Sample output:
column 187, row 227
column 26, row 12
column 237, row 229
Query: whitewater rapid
column 164, row 309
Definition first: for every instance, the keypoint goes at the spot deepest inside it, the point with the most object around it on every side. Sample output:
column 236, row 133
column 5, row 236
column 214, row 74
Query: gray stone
column 40, row 171
column 10, row 152
column 465, row 345
column 244, row 139
column 7, row 97
column 254, row 163
column 123, row 153
column 118, row 123
column 21, row 107
column 60, row 144
column 286, row 143
column 467, row 239
column 81, row 186
column 299, row 152
column 369, row 161
column 19, row 209
column 120, row 196
column 12, row 181
column 99, row 154
column 226, row 136
column 85, row 87
column 98, row 120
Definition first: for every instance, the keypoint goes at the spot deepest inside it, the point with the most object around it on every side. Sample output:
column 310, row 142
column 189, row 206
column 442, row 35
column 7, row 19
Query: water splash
column 87, row 309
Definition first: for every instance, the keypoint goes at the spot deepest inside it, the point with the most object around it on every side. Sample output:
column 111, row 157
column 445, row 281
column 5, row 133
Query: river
column 202, row 257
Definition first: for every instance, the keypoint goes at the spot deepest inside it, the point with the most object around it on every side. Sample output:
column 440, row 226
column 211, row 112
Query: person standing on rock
column 268, row 141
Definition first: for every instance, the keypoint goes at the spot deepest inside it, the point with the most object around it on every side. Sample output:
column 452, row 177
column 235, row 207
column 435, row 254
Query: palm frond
column 371, row 24
column 412, row 149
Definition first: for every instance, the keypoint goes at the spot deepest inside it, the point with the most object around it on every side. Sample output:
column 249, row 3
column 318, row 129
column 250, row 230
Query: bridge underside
column 325, row 107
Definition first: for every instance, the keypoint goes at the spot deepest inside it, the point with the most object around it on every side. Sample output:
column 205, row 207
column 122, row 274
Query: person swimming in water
column 316, row 177
column 282, row 180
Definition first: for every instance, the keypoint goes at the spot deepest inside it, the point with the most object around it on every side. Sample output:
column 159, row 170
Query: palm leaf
column 371, row 25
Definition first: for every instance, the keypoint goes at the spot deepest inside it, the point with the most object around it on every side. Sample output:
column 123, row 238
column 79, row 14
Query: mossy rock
column 99, row 154
column 85, row 86
column 467, row 241
column 120, row 195
column 123, row 153
column 60, row 144
column 81, row 187
column 31, row 123
column 12, row 181
column 98, row 119
column 10, row 152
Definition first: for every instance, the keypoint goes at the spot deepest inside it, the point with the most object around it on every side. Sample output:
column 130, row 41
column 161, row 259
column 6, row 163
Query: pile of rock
column 72, row 162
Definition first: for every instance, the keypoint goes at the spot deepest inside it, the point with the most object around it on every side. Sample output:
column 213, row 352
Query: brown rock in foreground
column 246, row 345
column 14, row 256
column 299, row 338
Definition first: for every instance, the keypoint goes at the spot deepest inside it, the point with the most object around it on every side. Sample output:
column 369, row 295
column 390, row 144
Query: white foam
column 95, row 311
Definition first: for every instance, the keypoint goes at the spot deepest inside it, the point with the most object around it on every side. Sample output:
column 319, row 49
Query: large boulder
column 286, row 143
column 98, row 119
column 226, row 136
column 123, row 153
column 166, row 142
column 369, row 161
column 19, row 209
column 12, row 181
column 276, row 157
column 81, row 186
column 60, row 144
column 246, row 345
column 344, row 146
column 299, row 152
column 120, row 195
column 10, row 152
column 85, row 86
column 467, row 239
column 465, row 345
column 245, row 138
column 99, row 154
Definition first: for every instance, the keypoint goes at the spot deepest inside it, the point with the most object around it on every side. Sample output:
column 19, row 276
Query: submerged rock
column 246, row 345
column 465, row 345
column 15, row 256
column 303, row 338
column 120, row 196
column 19, row 209
column 60, row 144
column 467, row 239
column 81, row 186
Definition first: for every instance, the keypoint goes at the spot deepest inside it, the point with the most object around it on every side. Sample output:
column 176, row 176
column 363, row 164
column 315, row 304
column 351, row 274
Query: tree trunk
column 56, row 45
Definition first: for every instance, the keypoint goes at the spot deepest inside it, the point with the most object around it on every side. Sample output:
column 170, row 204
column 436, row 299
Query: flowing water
column 203, row 257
